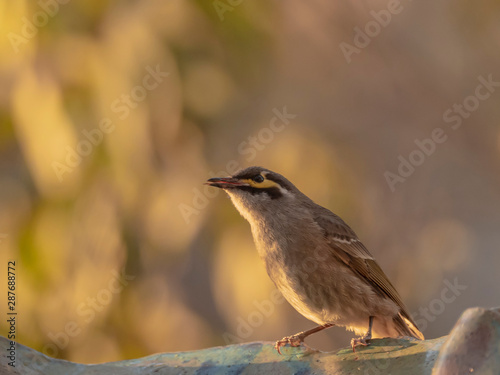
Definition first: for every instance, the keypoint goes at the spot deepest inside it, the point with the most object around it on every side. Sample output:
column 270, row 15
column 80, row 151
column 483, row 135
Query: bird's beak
column 225, row 182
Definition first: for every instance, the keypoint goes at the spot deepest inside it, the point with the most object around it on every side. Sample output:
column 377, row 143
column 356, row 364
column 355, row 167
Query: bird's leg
column 298, row 338
column 363, row 340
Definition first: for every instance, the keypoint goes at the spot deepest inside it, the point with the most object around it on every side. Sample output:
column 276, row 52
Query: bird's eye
column 259, row 178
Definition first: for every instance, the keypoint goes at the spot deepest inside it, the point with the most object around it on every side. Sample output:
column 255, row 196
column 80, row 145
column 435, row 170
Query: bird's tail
column 406, row 327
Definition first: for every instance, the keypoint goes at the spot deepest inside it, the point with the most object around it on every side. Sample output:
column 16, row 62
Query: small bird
column 316, row 260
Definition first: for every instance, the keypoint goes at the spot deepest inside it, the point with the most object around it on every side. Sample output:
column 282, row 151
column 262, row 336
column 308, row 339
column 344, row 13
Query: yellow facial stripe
column 261, row 185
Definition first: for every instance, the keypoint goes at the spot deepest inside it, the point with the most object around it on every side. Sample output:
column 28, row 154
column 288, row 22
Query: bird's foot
column 298, row 338
column 360, row 341
column 294, row 340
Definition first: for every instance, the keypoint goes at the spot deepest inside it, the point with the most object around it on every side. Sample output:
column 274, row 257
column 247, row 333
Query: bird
column 316, row 260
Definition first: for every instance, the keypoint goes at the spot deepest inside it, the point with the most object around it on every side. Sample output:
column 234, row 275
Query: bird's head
column 256, row 191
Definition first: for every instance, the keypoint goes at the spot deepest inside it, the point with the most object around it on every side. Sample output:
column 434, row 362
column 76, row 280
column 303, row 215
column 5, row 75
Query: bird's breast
column 294, row 264
column 315, row 282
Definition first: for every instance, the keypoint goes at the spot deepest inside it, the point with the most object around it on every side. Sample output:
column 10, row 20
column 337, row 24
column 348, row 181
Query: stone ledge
column 473, row 346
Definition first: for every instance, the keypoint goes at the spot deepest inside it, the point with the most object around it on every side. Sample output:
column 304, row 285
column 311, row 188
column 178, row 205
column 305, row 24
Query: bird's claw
column 360, row 341
column 294, row 340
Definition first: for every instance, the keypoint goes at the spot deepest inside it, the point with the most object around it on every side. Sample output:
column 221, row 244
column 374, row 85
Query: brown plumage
column 316, row 260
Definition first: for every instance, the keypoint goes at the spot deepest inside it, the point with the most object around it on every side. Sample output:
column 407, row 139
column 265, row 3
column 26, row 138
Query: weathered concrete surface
column 382, row 357
column 474, row 344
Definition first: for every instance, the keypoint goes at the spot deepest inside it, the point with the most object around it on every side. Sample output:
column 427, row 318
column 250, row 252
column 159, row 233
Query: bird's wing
column 346, row 246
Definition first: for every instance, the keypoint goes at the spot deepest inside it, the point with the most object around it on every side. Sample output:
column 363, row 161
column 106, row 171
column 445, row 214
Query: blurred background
column 114, row 113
